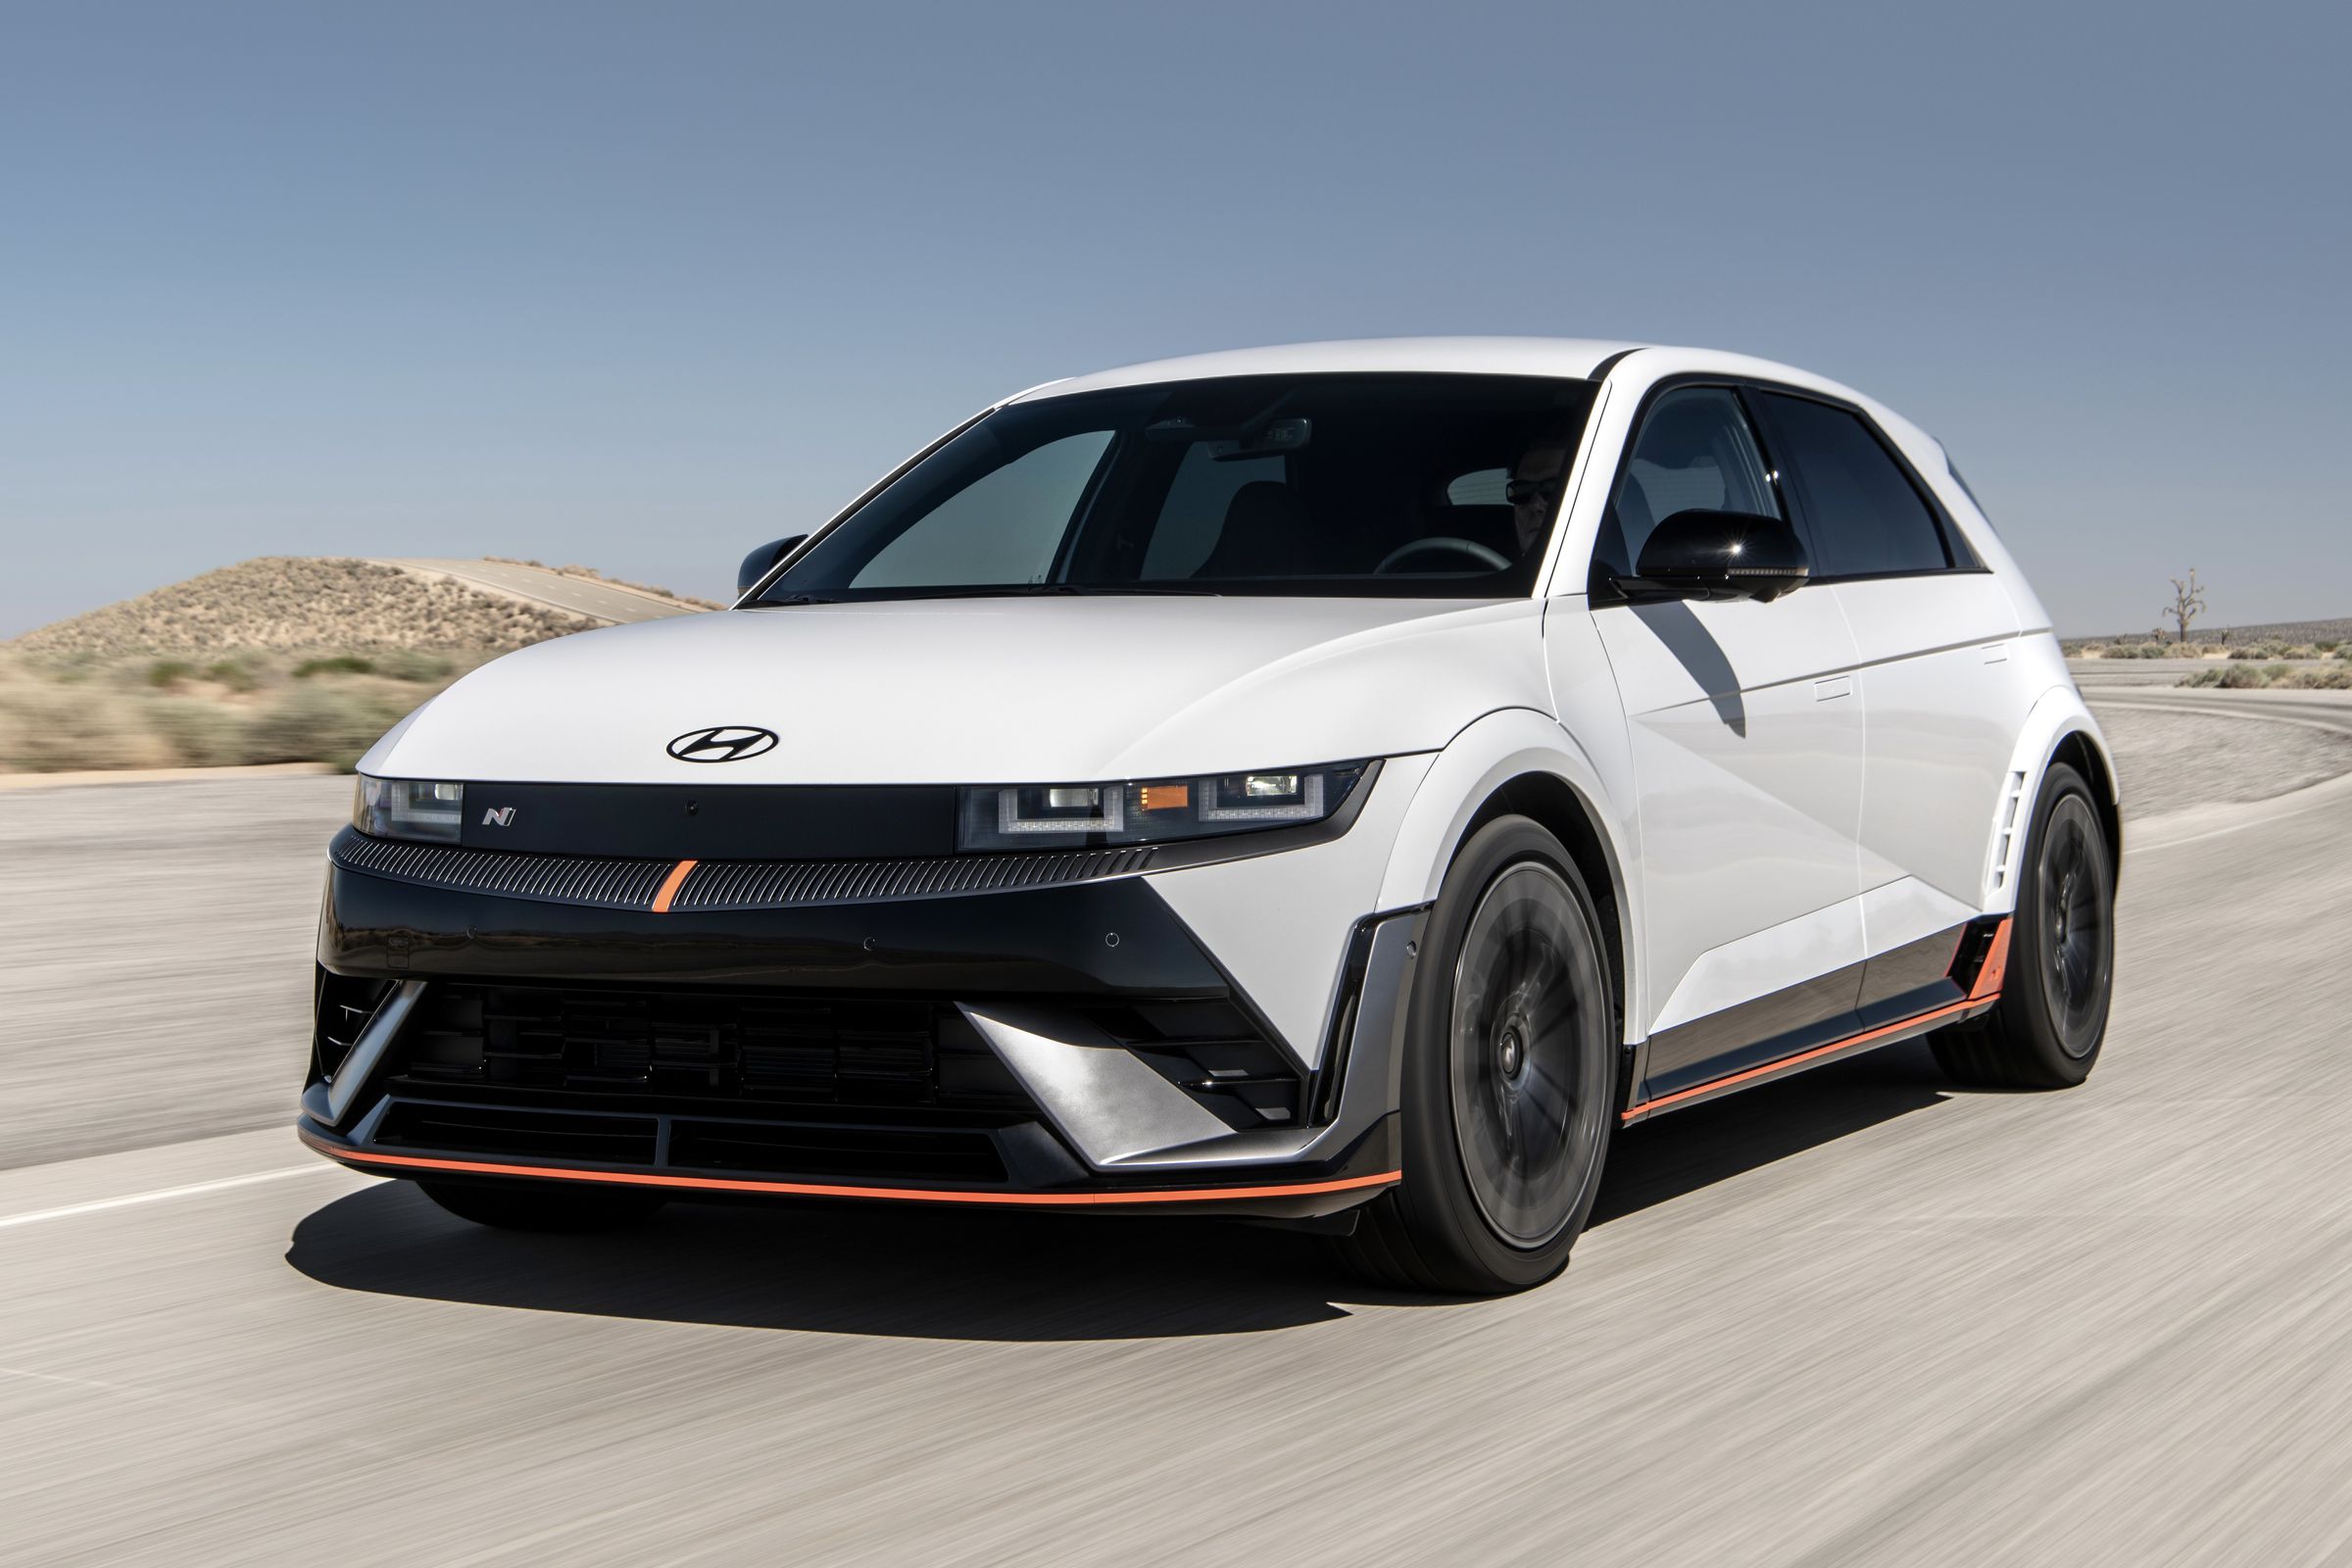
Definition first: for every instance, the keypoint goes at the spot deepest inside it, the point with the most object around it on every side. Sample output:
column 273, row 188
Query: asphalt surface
column 583, row 596
column 1858, row 1317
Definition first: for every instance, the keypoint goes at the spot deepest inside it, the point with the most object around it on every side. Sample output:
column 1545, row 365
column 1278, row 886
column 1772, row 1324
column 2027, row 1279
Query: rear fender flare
column 2058, row 714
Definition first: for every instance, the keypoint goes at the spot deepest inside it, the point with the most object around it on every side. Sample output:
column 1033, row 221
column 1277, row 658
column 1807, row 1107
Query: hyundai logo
column 723, row 742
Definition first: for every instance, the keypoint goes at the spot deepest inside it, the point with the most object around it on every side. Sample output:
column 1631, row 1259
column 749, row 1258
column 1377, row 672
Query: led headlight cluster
column 1042, row 816
column 409, row 809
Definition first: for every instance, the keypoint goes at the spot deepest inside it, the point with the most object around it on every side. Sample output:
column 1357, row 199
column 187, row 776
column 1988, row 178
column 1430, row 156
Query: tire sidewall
column 2025, row 1005
column 1436, row 1191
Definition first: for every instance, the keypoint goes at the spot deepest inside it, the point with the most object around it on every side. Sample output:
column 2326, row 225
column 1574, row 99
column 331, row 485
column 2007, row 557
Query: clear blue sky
column 641, row 285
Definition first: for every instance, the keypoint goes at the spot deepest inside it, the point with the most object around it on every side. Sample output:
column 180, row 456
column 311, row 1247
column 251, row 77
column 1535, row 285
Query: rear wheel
column 2047, row 1030
column 544, row 1207
column 1508, row 1077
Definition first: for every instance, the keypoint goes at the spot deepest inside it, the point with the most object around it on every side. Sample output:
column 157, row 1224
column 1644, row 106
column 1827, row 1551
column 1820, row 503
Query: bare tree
column 2188, row 602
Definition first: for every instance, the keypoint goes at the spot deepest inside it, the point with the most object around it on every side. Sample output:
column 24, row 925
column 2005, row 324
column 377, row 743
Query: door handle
column 1833, row 687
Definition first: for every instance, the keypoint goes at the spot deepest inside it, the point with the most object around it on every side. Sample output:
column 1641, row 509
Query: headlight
column 1053, row 816
column 409, row 809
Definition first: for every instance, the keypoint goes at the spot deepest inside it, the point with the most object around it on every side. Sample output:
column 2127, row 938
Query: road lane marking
column 159, row 1195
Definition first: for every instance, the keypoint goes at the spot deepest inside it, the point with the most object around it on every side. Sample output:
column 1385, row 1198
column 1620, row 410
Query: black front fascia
column 712, row 821
column 1114, row 938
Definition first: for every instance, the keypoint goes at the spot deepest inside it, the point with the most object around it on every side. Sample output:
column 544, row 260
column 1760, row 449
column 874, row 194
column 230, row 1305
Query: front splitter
column 1272, row 1199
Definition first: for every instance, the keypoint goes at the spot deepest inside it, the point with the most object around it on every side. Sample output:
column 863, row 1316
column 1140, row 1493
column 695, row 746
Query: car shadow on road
column 918, row 1274
column 1690, row 1149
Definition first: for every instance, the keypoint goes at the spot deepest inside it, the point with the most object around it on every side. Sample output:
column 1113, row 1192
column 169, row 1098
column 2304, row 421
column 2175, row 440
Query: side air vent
column 2013, row 805
column 341, row 1007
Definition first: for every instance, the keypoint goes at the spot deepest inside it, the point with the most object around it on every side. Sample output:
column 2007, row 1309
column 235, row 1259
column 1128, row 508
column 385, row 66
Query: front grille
column 783, row 1083
column 698, row 1046
column 795, row 884
column 535, row 1134
column 604, row 884
column 720, row 885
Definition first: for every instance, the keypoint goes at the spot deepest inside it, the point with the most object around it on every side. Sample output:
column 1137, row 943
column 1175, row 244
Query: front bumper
column 1063, row 1041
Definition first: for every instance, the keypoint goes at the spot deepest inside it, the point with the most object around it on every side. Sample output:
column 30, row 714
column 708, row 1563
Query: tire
column 544, row 1207
column 2047, row 1030
column 1510, row 1081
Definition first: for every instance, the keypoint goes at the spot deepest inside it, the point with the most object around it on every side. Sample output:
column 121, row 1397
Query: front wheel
column 1509, row 1080
column 2047, row 1030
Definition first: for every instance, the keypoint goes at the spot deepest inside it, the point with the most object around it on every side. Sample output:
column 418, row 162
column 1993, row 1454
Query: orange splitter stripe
column 923, row 1195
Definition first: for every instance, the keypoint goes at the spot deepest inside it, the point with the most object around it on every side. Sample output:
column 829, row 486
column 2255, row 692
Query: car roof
column 1572, row 357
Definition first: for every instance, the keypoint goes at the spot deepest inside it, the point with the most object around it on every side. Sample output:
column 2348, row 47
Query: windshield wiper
column 1125, row 588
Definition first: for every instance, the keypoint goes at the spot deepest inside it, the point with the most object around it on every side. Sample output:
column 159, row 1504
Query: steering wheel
column 1491, row 560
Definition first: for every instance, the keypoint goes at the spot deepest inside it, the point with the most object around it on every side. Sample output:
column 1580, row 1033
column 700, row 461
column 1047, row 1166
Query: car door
column 1747, row 735
column 1934, row 635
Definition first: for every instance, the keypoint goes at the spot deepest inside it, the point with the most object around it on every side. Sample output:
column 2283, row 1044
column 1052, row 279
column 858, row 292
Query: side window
column 1866, row 519
column 1000, row 530
column 1482, row 487
column 1193, row 518
column 1694, row 452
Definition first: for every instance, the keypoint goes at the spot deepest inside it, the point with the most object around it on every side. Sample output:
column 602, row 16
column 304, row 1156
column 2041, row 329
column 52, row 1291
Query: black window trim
column 1959, row 558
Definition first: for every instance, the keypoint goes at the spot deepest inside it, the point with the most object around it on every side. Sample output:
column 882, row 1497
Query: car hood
column 984, row 691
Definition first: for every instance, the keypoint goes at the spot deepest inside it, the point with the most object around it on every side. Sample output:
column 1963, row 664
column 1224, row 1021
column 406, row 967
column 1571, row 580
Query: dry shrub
column 2254, row 677
column 48, row 727
column 200, row 734
column 315, row 723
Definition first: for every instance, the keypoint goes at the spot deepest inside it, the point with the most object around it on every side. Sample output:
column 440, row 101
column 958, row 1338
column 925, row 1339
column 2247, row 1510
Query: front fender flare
column 1498, row 748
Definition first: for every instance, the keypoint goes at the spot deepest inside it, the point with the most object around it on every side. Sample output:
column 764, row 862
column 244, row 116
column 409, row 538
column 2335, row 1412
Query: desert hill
column 289, row 603
column 282, row 659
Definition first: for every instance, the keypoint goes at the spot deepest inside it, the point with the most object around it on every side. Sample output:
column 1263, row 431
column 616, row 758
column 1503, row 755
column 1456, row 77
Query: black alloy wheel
column 1510, row 1083
column 2047, row 1030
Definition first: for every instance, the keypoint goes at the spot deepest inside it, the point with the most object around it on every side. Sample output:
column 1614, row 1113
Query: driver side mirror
column 1719, row 554
column 760, row 562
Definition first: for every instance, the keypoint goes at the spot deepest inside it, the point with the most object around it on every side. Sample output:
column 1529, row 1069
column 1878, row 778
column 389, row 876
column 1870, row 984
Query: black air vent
column 700, row 1047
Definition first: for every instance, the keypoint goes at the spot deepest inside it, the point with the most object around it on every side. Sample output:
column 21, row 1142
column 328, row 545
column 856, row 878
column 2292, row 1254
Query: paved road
column 580, row 595
column 2327, row 709
column 1860, row 1317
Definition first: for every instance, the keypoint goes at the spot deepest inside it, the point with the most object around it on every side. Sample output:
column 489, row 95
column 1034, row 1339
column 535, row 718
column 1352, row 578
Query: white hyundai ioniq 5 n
column 1340, row 785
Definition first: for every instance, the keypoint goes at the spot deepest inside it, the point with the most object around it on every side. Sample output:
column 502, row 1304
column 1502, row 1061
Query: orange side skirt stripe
column 923, row 1195
column 1987, row 989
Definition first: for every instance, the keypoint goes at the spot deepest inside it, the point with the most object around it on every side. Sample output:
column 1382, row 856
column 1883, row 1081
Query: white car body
column 1775, row 792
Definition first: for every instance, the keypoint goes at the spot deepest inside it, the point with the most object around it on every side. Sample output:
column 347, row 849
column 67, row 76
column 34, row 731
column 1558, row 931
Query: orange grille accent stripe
column 670, row 885
column 922, row 1194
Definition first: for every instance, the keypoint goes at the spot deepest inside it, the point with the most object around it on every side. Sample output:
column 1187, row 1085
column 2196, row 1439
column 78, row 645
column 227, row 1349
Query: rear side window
column 1866, row 517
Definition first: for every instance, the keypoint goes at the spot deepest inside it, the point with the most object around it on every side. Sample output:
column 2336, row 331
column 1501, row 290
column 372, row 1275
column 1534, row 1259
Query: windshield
column 1393, row 486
